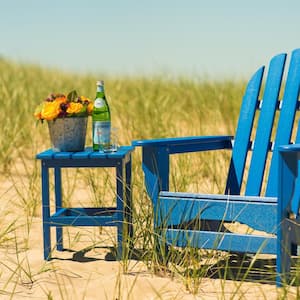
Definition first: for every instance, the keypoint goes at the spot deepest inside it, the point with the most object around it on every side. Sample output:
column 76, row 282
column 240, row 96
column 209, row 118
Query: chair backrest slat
column 286, row 118
column 265, row 125
column 243, row 134
column 258, row 124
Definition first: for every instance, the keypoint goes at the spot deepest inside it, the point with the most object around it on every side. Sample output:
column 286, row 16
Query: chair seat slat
column 221, row 241
column 182, row 208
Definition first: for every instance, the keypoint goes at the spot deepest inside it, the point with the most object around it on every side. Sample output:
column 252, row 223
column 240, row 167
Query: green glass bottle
column 101, row 119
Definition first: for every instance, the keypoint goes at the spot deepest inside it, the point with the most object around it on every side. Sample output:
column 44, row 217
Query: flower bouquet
column 61, row 106
column 67, row 120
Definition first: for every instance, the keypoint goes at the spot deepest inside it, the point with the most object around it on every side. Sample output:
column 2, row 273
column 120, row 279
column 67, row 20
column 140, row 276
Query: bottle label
column 99, row 102
column 101, row 133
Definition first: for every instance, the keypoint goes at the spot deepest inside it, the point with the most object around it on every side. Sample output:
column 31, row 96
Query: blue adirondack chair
column 276, row 211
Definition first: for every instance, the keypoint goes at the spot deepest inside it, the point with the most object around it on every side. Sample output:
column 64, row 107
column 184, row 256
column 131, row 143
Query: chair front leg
column 156, row 171
column 288, row 173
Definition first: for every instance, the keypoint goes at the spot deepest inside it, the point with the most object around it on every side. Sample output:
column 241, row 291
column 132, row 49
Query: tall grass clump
column 142, row 108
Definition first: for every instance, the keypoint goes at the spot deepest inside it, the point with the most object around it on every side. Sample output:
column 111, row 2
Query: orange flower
column 38, row 112
column 59, row 106
column 74, row 108
column 38, row 115
column 50, row 111
column 90, row 107
column 61, row 99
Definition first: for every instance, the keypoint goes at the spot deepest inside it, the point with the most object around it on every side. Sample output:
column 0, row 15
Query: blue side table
column 119, row 216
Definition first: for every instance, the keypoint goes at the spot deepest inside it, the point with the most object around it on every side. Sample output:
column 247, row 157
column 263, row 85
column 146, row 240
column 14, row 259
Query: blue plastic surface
column 119, row 216
column 271, row 200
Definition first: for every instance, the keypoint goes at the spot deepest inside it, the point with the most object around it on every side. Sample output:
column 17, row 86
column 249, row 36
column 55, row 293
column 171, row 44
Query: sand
column 85, row 272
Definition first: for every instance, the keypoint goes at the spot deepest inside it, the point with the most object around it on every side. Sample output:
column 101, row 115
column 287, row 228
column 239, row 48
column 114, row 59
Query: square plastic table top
column 87, row 154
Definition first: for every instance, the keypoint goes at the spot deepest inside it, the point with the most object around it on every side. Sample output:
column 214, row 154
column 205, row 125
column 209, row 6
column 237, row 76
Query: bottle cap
column 100, row 82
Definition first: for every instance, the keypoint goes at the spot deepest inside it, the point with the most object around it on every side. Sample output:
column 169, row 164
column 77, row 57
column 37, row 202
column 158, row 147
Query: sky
column 208, row 38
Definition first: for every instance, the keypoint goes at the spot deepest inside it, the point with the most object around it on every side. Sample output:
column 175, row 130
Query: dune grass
column 141, row 108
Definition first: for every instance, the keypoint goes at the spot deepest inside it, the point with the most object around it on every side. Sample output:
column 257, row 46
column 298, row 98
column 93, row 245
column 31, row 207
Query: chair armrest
column 188, row 144
column 156, row 158
column 289, row 181
column 289, row 148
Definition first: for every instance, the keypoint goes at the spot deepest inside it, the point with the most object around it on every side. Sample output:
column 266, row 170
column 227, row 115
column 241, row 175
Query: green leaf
column 72, row 96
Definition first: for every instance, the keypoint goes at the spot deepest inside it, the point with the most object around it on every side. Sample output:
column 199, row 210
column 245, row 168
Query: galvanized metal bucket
column 68, row 134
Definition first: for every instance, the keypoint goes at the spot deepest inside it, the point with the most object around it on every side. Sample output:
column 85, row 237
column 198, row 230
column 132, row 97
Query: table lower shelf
column 79, row 216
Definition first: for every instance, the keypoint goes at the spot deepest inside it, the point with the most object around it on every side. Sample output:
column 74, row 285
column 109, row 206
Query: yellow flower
column 74, row 108
column 83, row 98
column 50, row 110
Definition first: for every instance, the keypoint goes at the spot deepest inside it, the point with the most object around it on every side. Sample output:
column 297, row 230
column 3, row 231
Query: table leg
column 120, row 209
column 128, row 198
column 58, row 205
column 46, row 212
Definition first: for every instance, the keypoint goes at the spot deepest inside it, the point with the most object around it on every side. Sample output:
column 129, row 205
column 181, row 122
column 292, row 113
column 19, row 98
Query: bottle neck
column 100, row 91
column 100, row 88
